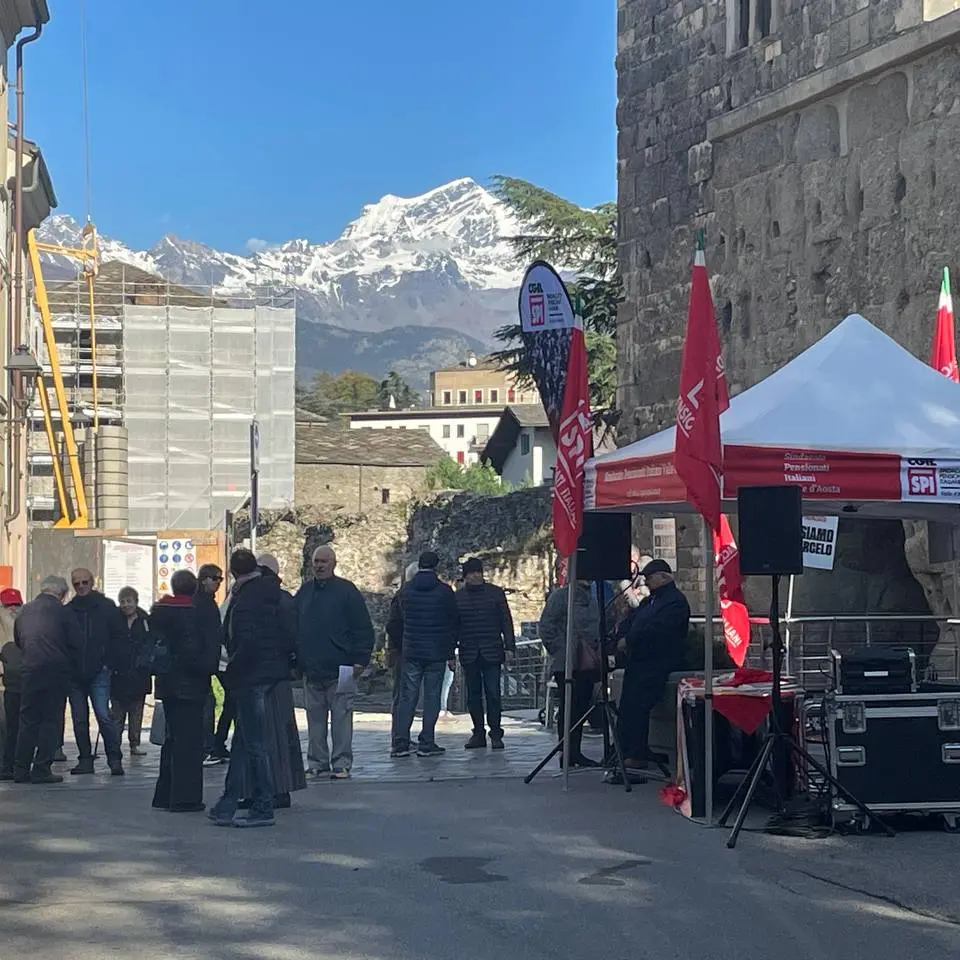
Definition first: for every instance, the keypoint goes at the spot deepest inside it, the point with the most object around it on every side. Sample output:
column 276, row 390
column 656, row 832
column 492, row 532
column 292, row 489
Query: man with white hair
column 334, row 630
column 52, row 644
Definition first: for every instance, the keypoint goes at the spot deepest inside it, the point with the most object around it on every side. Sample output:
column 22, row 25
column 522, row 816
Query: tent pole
column 568, row 667
column 709, row 603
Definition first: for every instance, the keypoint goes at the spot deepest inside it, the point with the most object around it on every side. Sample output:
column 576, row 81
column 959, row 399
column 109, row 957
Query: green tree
column 477, row 478
column 393, row 385
column 332, row 394
column 585, row 242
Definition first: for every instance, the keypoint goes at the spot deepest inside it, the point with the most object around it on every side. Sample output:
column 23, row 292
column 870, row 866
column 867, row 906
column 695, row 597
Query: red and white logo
column 922, row 481
column 538, row 310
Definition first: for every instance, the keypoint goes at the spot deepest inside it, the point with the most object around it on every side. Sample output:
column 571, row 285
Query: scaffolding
column 184, row 370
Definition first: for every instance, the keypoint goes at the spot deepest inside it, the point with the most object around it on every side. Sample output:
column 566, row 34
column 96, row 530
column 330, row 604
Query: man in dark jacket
column 104, row 637
column 52, row 645
column 428, row 612
column 394, row 648
column 258, row 657
column 191, row 634
column 486, row 640
column 334, row 630
column 651, row 639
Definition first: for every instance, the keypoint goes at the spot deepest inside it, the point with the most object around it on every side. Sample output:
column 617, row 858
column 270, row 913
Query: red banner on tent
column 944, row 354
column 736, row 618
column 698, row 454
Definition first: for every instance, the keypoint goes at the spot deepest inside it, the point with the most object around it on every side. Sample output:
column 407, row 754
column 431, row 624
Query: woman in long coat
column 129, row 687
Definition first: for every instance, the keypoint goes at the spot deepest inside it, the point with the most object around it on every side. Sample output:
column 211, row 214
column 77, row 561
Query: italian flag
column 944, row 354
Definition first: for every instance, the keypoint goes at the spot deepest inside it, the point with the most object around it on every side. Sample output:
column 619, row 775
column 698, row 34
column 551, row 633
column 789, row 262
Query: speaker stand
column 611, row 736
column 778, row 737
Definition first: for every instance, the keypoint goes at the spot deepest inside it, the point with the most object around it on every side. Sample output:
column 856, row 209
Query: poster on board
column 129, row 564
column 665, row 540
column 173, row 554
column 820, row 542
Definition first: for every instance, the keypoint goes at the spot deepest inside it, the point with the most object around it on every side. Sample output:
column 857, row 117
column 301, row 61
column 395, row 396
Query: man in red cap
column 11, row 657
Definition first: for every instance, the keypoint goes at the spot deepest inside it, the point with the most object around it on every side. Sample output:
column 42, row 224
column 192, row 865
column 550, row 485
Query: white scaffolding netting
column 194, row 379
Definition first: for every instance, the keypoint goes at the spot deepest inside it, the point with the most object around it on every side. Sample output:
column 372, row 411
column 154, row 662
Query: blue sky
column 225, row 120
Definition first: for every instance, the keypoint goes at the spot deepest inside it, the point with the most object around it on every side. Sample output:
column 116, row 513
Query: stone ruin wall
column 823, row 164
column 510, row 533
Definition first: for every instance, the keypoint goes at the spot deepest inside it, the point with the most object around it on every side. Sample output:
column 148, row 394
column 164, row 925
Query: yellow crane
column 71, row 515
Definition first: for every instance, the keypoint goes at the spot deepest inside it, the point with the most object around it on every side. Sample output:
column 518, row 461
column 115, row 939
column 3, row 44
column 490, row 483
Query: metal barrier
column 808, row 641
column 522, row 682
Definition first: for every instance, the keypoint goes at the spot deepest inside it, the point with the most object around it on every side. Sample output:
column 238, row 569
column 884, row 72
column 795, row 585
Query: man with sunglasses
column 104, row 636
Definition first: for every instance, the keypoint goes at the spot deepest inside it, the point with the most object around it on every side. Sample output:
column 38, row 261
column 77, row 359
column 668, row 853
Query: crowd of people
column 92, row 652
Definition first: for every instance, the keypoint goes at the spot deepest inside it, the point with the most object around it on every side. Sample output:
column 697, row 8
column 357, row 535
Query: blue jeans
column 445, row 689
column 97, row 691
column 429, row 673
column 249, row 746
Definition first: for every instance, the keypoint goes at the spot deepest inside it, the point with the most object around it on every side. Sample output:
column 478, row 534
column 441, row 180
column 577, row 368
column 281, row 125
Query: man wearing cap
column 651, row 639
column 485, row 641
column 427, row 610
column 334, row 630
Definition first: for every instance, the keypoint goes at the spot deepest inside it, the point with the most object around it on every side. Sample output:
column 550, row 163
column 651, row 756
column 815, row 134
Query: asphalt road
column 469, row 869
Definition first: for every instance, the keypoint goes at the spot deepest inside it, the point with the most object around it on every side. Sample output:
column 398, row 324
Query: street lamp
column 23, row 362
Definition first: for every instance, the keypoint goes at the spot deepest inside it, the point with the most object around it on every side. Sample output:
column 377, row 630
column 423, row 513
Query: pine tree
column 583, row 241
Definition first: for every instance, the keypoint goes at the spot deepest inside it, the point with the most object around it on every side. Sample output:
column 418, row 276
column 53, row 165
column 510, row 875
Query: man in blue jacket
column 651, row 637
column 427, row 616
column 334, row 630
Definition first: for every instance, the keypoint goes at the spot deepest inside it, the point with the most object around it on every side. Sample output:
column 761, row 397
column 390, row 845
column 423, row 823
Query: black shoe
column 60, row 756
column 583, row 761
column 187, row 807
column 7, row 776
column 84, row 766
column 477, row 742
column 21, row 778
column 45, row 776
column 430, row 750
column 281, row 801
column 496, row 743
column 398, row 752
column 256, row 818
column 116, row 769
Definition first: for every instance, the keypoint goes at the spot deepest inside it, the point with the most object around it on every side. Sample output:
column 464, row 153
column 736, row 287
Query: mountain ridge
column 424, row 279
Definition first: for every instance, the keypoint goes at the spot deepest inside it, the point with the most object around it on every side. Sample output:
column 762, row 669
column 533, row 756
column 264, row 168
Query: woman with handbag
column 586, row 651
column 184, row 657
column 130, row 685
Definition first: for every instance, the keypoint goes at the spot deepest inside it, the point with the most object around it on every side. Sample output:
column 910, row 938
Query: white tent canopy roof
column 856, row 390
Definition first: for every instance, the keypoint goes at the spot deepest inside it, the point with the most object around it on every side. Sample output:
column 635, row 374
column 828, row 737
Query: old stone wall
column 820, row 160
column 351, row 488
column 818, row 151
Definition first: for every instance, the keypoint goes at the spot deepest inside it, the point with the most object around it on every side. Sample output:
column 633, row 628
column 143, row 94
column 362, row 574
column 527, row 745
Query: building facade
column 478, row 382
column 815, row 143
column 19, row 20
column 461, row 433
column 363, row 469
column 522, row 449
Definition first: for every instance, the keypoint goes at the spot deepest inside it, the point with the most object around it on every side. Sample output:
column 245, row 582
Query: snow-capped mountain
column 439, row 260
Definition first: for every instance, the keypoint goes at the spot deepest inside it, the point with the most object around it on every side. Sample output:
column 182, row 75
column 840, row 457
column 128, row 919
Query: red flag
column 574, row 446
column 944, row 354
column 698, row 453
column 736, row 618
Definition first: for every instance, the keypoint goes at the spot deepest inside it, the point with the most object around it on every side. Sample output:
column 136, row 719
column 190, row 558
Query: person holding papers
column 334, row 644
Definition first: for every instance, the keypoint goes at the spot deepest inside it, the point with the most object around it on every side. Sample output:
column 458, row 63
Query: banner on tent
column 930, row 479
column 630, row 482
column 820, row 542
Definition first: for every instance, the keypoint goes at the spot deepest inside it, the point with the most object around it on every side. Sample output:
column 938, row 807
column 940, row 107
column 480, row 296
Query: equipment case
column 896, row 752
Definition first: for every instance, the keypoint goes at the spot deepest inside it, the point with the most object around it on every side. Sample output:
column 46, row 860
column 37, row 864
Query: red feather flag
column 736, row 617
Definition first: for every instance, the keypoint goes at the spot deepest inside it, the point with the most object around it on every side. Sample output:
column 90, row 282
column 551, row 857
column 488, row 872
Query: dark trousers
column 180, row 784
column 41, row 709
column 128, row 712
column 429, row 674
column 11, row 710
column 249, row 747
column 583, row 684
column 395, row 705
column 228, row 715
column 97, row 691
column 640, row 693
column 483, row 683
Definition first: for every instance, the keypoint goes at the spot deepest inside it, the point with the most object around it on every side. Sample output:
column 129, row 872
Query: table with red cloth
column 744, row 699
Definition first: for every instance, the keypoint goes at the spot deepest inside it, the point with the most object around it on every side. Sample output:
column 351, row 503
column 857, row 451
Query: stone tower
column 818, row 144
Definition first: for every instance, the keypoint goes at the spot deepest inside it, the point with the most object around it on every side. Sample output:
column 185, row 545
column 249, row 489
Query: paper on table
column 346, row 682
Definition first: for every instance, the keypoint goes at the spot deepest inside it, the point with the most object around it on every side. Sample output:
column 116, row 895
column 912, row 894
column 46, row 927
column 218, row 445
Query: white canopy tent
column 858, row 422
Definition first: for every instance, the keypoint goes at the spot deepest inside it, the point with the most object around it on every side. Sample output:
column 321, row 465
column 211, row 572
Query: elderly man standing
column 486, row 640
column 52, row 645
column 334, row 630
column 104, row 639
